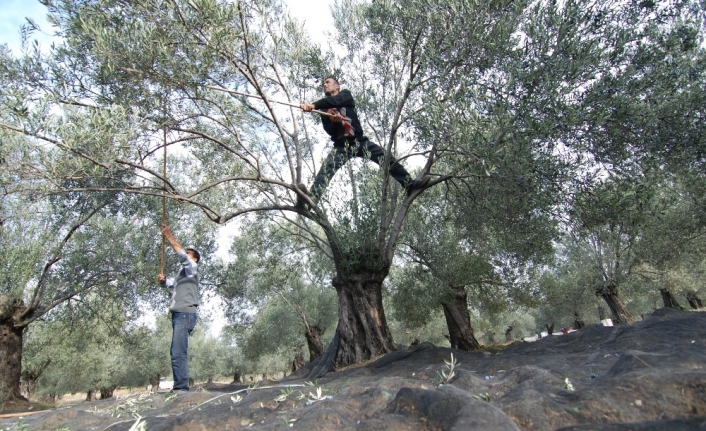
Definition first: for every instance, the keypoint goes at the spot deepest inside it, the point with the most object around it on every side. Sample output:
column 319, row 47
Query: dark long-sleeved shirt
column 342, row 103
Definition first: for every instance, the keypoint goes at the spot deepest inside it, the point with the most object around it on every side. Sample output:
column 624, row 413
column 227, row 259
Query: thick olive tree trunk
column 458, row 321
column 28, row 384
column 298, row 361
column 669, row 300
column 10, row 362
column 107, row 392
column 578, row 322
column 694, row 300
column 313, row 341
column 618, row 310
column 91, row 395
column 154, row 381
column 362, row 328
column 11, row 338
column 29, row 378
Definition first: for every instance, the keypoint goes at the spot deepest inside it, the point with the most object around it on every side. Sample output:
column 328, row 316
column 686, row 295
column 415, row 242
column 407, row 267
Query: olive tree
column 459, row 86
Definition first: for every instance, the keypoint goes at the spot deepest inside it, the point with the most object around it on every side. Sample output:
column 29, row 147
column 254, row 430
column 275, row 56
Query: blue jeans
column 182, row 325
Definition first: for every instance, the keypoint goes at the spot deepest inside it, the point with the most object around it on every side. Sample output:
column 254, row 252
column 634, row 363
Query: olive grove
column 531, row 119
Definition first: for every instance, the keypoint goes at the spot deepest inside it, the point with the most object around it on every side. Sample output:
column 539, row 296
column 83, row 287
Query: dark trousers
column 340, row 154
column 182, row 325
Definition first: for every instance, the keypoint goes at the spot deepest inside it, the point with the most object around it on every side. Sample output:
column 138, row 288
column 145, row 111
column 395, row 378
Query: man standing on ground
column 349, row 140
column 184, row 304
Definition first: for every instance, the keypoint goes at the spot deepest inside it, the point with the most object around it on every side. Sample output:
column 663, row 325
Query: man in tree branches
column 185, row 302
column 348, row 140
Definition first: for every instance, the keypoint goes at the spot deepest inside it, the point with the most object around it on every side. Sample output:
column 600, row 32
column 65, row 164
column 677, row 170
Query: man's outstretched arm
column 171, row 240
column 343, row 98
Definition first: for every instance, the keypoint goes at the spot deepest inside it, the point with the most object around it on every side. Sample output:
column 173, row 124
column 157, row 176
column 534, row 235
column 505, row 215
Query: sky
column 13, row 13
column 12, row 17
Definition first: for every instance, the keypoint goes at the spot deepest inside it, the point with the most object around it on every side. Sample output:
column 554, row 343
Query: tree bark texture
column 107, row 392
column 615, row 304
column 669, row 300
column 458, row 321
column 508, row 333
column 313, row 341
column 362, row 326
column 28, row 385
column 298, row 361
column 578, row 322
column 154, row 381
column 550, row 329
column 11, row 338
column 694, row 301
column 10, row 361
column 91, row 395
column 29, row 378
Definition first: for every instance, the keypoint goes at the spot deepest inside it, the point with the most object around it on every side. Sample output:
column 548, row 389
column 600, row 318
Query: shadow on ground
column 646, row 376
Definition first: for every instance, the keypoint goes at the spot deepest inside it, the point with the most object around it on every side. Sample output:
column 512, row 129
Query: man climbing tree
column 349, row 140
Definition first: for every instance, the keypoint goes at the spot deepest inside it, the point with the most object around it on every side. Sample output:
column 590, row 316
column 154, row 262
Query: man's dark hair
column 331, row 77
column 197, row 255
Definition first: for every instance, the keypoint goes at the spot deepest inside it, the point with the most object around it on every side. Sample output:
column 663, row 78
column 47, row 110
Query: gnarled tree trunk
column 508, row 333
column 28, row 379
column 11, row 363
column 91, row 395
column 694, row 301
column 620, row 313
column 362, row 327
column 578, row 322
column 458, row 321
column 107, row 392
column 298, row 361
column 669, row 300
column 154, row 381
column 11, row 338
column 28, row 384
column 550, row 329
column 313, row 341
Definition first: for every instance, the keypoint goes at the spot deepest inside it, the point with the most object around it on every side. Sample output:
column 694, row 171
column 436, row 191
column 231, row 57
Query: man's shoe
column 417, row 184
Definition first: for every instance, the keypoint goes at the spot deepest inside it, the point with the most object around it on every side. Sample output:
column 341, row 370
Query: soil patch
column 647, row 376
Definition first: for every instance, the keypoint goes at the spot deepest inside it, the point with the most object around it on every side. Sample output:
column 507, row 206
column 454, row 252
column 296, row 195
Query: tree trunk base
column 325, row 362
column 362, row 331
column 669, row 300
column 15, row 405
column 694, row 301
column 11, row 339
column 458, row 322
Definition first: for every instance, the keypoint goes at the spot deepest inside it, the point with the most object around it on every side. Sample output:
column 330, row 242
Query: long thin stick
column 128, row 69
column 261, row 98
column 21, row 414
column 164, row 191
